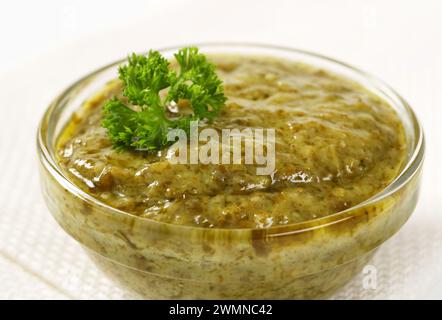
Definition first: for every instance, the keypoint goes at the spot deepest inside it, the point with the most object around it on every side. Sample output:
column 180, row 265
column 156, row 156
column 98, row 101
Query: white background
column 46, row 45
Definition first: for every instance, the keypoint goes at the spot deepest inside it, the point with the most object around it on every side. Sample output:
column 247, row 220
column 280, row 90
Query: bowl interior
column 68, row 102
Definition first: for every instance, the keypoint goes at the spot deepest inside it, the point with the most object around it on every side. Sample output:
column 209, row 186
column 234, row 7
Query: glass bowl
column 164, row 261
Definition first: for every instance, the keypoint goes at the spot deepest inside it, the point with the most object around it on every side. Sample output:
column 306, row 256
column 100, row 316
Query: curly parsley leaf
column 143, row 125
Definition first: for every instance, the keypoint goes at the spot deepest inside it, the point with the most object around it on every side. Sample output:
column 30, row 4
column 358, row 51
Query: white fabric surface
column 48, row 45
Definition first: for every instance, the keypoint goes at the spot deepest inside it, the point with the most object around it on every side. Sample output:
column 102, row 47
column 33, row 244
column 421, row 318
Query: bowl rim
column 413, row 165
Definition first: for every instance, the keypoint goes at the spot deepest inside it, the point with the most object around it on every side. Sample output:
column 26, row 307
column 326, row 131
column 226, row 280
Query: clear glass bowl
column 165, row 261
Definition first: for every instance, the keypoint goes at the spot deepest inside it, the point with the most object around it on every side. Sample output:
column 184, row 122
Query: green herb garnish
column 144, row 124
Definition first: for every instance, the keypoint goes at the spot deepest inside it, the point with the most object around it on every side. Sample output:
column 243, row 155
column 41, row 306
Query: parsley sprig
column 144, row 124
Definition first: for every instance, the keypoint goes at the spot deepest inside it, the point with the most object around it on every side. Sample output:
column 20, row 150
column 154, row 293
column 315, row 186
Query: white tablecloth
column 51, row 44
